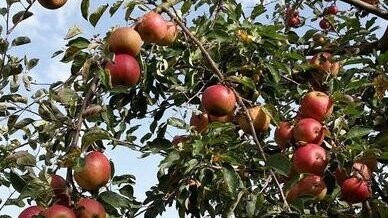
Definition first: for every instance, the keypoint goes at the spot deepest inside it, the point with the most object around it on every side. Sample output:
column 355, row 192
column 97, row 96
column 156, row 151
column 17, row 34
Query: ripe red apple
column 292, row 17
column 58, row 184
column 284, row 134
column 171, row 34
column 58, row 211
column 325, row 24
column 310, row 158
column 95, row 172
column 309, row 130
column 218, row 100
column 310, row 185
column 124, row 71
column 30, row 212
column 90, row 208
column 152, row 27
column 199, row 122
column 355, row 190
column 52, row 4
column 259, row 117
column 316, row 105
column 125, row 40
column 332, row 9
column 361, row 171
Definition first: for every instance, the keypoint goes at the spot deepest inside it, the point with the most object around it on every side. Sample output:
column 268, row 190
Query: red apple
column 310, row 185
column 124, row 71
column 152, row 28
column 199, row 122
column 125, row 40
column 90, row 208
column 259, row 117
column 58, row 211
column 95, row 172
column 332, row 9
column 283, row 134
column 355, row 190
column 171, row 34
column 293, row 21
column 361, row 171
column 52, row 4
column 316, row 105
column 30, row 212
column 325, row 24
column 58, row 184
column 309, row 130
column 218, row 100
column 310, row 158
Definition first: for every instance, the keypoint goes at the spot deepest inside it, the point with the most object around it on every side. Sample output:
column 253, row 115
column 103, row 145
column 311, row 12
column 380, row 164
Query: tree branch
column 369, row 8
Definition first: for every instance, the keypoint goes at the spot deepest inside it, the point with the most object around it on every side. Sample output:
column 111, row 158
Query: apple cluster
column 126, row 42
column 94, row 174
column 310, row 158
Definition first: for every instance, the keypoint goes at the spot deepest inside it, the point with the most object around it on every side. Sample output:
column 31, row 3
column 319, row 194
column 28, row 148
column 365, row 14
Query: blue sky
column 46, row 29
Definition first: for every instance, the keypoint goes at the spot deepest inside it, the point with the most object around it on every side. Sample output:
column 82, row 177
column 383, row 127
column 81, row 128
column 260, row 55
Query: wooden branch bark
column 369, row 8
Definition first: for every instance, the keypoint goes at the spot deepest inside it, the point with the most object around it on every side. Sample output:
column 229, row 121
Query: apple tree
column 276, row 110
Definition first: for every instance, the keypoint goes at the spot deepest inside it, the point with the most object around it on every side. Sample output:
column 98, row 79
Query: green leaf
column 115, row 7
column 21, row 41
column 186, row 6
column 79, row 42
column 72, row 32
column 18, row 183
column 274, row 72
column 231, row 179
column 279, row 163
column 70, row 54
column 32, row 63
column 169, row 160
column 95, row 16
column 85, row 9
column 20, row 16
column 21, row 124
column 92, row 135
column 358, row 132
column 114, row 199
column 176, row 122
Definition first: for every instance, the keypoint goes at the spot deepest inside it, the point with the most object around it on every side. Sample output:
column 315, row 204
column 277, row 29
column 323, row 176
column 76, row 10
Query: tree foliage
column 220, row 171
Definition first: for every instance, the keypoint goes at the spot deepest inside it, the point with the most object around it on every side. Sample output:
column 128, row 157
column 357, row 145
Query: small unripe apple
column 124, row 70
column 152, row 27
column 316, row 105
column 319, row 39
column 310, row 158
column 90, row 208
column 95, row 172
column 199, row 122
column 309, row 130
column 355, row 190
column 125, row 40
column 52, row 4
column 218, row 100
column 58, row 211
column 259, row 117
column 30, row 212
column 284, row 134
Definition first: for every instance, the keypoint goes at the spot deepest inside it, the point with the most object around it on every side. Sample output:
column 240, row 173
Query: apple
column 30, row 212
column 310, row 158
column 355, row 190
column 52, row 4
column 152, row 28
column 324, row 63
column 199, row 122
column 95, row 172
column 283, row 134
column 124, row 71
column 320, row 39
column 310, row 185
column 125, row 40
column 260, row 120
column 361, row 171
column 58, row 184
column 90, row 208
column 332, row 9
column 309, row 130
column 218, row 100
column 316, row 105
column 325, row 24
column 171, row 34
column 58, row 211
column 292, row 17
